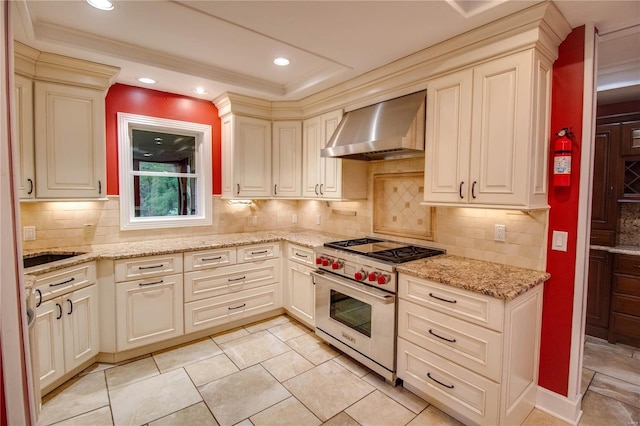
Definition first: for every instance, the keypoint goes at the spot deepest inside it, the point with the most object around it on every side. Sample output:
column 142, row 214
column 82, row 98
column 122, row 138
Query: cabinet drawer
column 258, row 252
column 625, row 304
column 229, row 279
column 214, row 311
column 629, row 325
column 205, row 259
column 300, row 254
column 625, row 284
column 603, row 238
column 449, row 386
column 627, row 264
column 469, row 345
column 476, row 308
column 146, row 267
column 62, row 281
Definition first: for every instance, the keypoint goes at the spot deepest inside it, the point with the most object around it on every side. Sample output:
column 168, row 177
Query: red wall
column 566, row 111
column 136, row 100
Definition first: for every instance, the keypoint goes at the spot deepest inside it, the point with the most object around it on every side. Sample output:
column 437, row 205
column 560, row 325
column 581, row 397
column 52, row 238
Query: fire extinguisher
column 562, row 158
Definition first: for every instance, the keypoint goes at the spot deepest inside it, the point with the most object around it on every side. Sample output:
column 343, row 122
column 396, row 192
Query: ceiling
column 230, row 45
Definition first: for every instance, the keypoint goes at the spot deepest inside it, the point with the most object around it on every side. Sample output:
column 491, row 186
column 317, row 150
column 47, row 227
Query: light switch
column 559, row 242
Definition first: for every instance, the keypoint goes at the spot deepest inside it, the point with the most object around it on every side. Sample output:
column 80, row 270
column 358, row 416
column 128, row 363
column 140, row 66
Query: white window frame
column 202, row 134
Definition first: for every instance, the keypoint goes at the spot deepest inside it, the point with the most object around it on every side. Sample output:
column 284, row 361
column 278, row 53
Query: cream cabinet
column 23, row 122
column 487, row 134
column 148, row 300
column 329, row 178
column 299, row 288
column 246, row 157
column 66, row 328
column 473, row 356
column 287, row 159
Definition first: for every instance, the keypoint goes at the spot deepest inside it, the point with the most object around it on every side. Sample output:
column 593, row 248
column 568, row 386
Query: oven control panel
column 349, row 266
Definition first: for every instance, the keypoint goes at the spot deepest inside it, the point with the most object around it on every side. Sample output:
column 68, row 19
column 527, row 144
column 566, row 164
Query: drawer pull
column 206, row 259
column 439, row 382
column 440, row 337
column 237, row 279
column 301, row 255
column 259, row 252
column 153, row 283
column 636, row 266
column 59, row 311
column 151, row 267
column 443, row 299
column 39, row 302
column 237, row 307
column 62, row 282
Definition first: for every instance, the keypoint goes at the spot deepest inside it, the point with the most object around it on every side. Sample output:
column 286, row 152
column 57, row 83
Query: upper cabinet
column 487, row 135
column 60, row 125
column 287, row 159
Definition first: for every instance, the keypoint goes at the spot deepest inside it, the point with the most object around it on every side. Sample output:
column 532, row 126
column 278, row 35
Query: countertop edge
column 630, row 250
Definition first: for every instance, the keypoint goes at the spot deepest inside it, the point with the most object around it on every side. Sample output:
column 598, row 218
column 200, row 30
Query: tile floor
column 276, row 372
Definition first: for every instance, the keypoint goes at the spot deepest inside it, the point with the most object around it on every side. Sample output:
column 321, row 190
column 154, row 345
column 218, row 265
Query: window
column 165, row 172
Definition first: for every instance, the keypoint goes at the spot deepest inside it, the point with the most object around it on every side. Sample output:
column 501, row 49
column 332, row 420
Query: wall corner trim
column 559, row 406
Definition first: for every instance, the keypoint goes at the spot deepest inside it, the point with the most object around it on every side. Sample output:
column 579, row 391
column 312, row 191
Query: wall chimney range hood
column 387, row 130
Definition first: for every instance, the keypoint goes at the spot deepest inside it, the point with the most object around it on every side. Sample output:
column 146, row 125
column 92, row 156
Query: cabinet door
column 226, row 133
column 501, row 130
column 300, row 293
column 604, row 204
column 24, row 160
column 311, row 145
column 69, row 141
column 448, row 138
column 252, row 157
column 598, row 293
column 49, row 341
column 330, row 168
column 80, row 313
column 287, row 159
column 631, row 138
column 148, row 311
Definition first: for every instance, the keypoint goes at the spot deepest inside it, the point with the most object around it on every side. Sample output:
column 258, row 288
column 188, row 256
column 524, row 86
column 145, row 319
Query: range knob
column 360, row 275
column 383, row 279
column 373, row 276
column 319, row 260
column 326, row 261
column 336, row 264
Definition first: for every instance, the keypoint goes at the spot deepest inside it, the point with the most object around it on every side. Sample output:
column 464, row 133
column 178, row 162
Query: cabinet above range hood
column 387, row 130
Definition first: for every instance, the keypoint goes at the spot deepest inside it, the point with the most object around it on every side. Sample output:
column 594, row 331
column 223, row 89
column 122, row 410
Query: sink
column 41, row 259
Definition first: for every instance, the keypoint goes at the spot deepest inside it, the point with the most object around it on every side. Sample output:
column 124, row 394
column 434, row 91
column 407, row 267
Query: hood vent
column 388, row 130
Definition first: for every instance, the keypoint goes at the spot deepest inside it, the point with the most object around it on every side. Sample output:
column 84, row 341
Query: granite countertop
column 632, row 250
column 493, row 279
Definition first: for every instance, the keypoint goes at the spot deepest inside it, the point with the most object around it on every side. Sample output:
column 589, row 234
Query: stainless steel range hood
column 388, row 130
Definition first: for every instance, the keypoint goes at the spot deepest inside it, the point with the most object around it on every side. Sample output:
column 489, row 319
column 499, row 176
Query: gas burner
column 405, row 254
column 354, row 242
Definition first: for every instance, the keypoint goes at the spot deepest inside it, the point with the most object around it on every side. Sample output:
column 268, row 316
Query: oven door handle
column 385, row 299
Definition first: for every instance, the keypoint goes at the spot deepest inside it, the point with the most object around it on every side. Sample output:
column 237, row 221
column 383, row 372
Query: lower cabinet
column 300, row 297
column 624, row 321
column 599, row 293
column 473, row 356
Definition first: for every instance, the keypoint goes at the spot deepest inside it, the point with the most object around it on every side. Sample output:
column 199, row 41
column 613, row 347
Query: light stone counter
column 493, row 279
column 632, row 250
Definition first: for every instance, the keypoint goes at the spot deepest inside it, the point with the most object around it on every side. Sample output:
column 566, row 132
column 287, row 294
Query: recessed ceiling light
column 200, row 91
column 147, row 154
column 281, row 62
column 101, row 4
column 146, row 80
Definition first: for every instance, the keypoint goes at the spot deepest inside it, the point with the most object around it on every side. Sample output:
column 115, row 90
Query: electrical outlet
column 318, row 219
column 500, row 233
column 89, row 231
column 29, row 233
column 294, row 218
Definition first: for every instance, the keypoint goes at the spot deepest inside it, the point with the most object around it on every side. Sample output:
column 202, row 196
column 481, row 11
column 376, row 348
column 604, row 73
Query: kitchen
column 460, row 231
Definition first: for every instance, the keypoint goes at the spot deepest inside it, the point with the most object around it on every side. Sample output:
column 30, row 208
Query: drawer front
column 203, row 314
column 603, row 238
column 206, row 259
column 448, row 385
column 147, row 267
column 626, row 284
column 63, row 281
column 626, row 304
column 257, row 252
column 476, row 308
column 469, row 345
column 300, row 254
column 627, row 264
column 229, row 279
column 629, row 325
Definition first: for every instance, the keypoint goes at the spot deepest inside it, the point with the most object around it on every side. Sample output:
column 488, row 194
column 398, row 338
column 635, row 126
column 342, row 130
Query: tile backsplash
column 629, row 224
column 461, row 231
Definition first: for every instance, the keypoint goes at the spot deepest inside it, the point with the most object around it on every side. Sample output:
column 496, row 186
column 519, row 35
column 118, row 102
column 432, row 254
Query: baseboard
column 559, row 406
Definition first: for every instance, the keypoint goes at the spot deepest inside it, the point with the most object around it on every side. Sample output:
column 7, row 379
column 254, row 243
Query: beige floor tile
column 253, row 349
column 129, row 373
column 99, row 417
column 289, row 330
column 341, row 419
column 397, row 393
column 186, row 354
column 263, row 325
column 96, row 368
column 153, row 398
column 599, row 410
column 328, row 389
column 352, row 365
column 636, row 354
column 312, row 348
column 587, row 376
column 602, row 360
column 77, row 396
column 210, row 369
column 197, row 414
column 288, row 365
column 434, row 417
column 245, row 422
column 377, row 409
column 540, row 418
column 242, row 394
column 227, row 336
column 285, row 413
column 616, row 389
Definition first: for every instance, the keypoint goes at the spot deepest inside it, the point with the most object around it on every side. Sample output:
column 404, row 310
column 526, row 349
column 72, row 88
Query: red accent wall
column 566, row 111
column 137, row 100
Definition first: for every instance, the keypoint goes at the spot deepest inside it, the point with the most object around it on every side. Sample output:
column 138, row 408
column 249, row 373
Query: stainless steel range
column 356, row 285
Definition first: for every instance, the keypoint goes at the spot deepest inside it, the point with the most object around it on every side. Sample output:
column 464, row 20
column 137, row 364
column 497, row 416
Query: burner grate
column 354, row 242
column 405, row 254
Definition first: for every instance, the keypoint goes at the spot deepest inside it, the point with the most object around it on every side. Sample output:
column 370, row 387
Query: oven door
column 359, row 316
